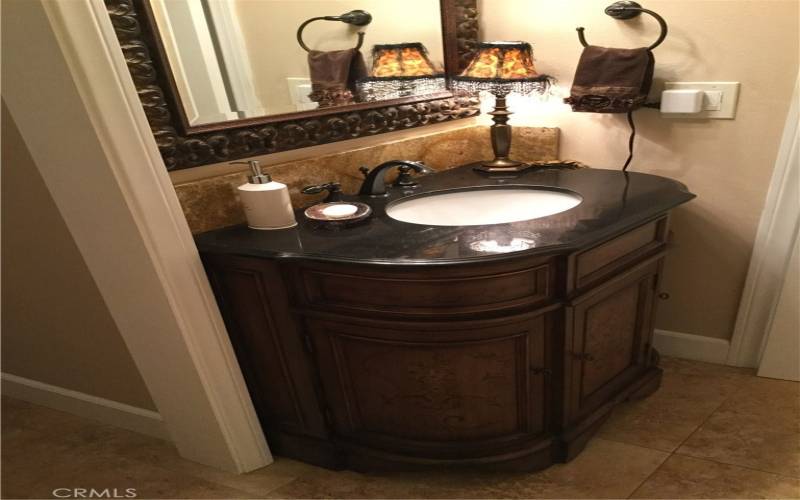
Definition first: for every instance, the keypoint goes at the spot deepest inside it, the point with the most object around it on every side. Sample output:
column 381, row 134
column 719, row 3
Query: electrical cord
column 653, row 105
column 630, row 141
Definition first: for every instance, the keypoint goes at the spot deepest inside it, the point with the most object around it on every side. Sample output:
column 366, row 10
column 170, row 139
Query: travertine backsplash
column 214, row 202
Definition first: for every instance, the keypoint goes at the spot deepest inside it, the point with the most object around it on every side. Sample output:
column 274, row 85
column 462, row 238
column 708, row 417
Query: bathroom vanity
column 393, row 345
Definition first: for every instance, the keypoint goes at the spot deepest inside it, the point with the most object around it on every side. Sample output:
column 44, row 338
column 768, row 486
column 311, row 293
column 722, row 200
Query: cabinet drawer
column 604, row 259
column 425, row 293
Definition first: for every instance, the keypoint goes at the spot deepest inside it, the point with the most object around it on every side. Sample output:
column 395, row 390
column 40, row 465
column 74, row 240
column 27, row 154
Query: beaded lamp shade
column 401, row 59
column 502, row 67
column 400, row 70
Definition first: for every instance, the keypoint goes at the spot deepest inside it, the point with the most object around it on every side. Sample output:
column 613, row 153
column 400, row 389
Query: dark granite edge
column 596, row 237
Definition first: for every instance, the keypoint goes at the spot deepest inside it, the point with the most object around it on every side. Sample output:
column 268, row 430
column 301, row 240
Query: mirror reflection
column 235, row 59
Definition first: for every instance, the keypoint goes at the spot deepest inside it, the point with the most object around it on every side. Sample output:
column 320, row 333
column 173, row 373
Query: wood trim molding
column 117, row 200
column 109, row 412
column 182, row 146
column 777, row 230
column 689, row 346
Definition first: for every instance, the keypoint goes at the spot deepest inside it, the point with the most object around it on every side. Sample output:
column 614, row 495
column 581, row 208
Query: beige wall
column 727, row 163
column 56, row 328
column 269, row 30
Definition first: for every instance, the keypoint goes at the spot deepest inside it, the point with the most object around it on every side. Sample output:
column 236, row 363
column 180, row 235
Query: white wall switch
column 719, row 99
column 712, row 100
column 682, row 101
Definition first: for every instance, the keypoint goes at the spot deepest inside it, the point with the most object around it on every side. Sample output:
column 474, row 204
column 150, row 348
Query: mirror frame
column 183, row 145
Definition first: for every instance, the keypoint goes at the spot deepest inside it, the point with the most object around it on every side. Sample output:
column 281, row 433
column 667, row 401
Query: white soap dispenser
column 266, row 203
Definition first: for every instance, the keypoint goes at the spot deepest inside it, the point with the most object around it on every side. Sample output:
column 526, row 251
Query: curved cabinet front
column 447, row 391
column 459, row 291
column 508, row 364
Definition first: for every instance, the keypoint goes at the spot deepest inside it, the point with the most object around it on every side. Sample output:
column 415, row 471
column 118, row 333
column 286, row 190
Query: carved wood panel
column 442, row 386
column 609, row 329
column 466, row 31
column 609, row 337
column 268, row 346
column 182, row 148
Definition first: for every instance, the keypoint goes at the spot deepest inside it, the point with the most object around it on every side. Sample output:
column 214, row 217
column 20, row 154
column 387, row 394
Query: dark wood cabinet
column 511, row 363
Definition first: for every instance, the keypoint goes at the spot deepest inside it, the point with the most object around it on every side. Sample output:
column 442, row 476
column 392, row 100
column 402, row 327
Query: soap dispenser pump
column 266, row 202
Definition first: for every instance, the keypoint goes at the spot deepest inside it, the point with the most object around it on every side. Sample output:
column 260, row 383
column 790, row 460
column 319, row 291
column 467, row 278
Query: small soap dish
column 339, row 212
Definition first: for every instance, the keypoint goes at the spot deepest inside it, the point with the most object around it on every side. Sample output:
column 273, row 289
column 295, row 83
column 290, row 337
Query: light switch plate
column 719, row 102
column 299, row 88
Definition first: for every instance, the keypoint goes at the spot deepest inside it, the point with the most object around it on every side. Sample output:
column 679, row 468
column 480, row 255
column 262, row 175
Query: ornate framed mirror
column 226, row 79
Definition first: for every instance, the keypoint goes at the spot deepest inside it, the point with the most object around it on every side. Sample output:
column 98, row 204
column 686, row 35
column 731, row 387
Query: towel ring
column 354, row 17
column 628, row 9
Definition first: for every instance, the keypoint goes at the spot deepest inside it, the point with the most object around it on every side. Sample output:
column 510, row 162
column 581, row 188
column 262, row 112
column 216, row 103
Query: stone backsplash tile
column 214, row 202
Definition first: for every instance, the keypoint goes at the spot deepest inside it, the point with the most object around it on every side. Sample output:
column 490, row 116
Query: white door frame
column 780, row 357
column 236, row 58
column 196, row 68
column 76, row 107
column 777, row 230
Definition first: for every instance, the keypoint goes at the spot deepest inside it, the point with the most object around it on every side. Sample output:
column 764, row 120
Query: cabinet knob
column 583, row 356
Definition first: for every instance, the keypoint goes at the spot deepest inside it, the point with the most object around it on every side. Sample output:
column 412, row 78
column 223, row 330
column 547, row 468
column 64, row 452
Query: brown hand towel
column 334, row 74
column 611, row 80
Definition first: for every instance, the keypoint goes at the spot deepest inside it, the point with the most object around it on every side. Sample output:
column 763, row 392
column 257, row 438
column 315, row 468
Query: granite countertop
column 613, row 201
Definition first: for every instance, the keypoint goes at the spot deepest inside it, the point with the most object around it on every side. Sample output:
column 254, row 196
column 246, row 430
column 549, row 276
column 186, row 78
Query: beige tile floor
column 709, row 432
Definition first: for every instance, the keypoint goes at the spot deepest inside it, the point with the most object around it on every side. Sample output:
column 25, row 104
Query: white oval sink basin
column 482, row 206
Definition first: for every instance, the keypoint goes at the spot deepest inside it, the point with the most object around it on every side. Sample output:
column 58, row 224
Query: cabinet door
column 267, row 343
column 415, row 387
column 609, row 334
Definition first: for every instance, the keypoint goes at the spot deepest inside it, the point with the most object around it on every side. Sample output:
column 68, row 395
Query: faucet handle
column 334, row 190
column 364, row 170
column 404, row 178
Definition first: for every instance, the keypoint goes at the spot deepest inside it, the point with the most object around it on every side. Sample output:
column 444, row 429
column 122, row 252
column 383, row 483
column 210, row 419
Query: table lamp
column 502, row 68
column 400, row 70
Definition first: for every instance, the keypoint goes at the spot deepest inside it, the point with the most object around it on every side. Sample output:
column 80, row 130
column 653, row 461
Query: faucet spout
column 375, row 182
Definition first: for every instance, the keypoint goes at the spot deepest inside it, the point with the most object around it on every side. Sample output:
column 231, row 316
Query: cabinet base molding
column 85, row 405
column 574, row 440
column 538, row 454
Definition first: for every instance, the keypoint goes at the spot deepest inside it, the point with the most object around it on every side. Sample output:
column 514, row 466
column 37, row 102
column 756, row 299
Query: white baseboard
column 85, row 405
column 688, row 346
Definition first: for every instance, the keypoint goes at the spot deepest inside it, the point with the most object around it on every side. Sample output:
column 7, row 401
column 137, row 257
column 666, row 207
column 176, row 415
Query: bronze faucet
column 375, row 179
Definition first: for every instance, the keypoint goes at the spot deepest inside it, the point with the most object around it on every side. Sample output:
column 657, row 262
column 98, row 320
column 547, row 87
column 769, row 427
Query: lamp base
column 501, row 139
column 502, row 165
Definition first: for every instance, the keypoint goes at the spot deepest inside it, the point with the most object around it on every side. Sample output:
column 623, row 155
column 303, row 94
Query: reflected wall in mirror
column 234, row 59
column 240, row 92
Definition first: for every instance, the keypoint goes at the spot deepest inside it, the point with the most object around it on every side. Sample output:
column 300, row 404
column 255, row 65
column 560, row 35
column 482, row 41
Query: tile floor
column 709, row 432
